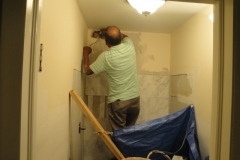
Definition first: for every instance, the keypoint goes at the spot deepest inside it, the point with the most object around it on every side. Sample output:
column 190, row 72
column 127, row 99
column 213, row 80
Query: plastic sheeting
column 174, row 133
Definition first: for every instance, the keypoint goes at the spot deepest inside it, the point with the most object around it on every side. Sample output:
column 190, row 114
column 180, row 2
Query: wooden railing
column 99, row 129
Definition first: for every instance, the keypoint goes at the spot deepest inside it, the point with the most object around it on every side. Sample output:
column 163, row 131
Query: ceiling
column 102, row 13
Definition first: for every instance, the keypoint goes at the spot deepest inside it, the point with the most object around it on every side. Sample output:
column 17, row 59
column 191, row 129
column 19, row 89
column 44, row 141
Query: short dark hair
column 113, row 40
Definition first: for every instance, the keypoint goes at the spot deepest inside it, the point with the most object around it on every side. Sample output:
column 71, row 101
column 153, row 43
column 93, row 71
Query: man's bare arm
column 123, row 36
column 86, row 51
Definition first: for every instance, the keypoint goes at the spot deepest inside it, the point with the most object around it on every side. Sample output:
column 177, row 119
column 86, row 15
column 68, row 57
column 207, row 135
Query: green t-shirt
column 119, row 62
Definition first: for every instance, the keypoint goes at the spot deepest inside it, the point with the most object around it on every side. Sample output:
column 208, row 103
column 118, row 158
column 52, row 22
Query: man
column 119, row 63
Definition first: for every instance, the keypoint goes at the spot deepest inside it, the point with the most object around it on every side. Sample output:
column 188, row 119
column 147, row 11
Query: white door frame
column 29, row 78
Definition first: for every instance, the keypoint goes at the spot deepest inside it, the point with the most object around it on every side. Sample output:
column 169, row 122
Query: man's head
column 113, row 36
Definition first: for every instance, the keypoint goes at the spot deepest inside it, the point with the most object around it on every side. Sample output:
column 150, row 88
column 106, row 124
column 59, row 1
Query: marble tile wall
column 154, row 95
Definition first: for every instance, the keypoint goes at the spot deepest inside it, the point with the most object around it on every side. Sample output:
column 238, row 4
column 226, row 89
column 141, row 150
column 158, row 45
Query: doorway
column 62, row 67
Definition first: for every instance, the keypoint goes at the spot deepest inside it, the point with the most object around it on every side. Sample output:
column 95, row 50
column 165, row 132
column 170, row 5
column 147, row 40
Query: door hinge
column 80, row 128
column 40, row 58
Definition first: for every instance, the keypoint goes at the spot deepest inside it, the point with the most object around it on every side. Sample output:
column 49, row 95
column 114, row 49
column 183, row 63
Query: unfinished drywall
column 181, row 92
column 153, row 52
column 180, row 84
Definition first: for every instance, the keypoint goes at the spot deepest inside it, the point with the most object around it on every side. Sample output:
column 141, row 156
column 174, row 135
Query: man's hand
column 87, row 50
column 123, row 36
column 103, row 31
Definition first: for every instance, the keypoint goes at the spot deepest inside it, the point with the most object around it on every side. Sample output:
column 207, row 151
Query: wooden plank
column 102, row 133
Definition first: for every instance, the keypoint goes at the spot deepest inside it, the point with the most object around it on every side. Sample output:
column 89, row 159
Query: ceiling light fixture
column 146, row 7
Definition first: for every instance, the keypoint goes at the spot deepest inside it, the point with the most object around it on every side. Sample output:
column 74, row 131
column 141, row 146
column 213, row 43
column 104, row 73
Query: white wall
column 63, row 34
column 192, row 54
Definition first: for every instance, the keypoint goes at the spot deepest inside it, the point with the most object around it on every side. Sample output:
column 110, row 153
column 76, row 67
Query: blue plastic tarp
column 168, row 134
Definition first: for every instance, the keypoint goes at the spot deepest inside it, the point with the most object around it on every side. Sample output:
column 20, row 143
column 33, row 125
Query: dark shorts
column 123, row 113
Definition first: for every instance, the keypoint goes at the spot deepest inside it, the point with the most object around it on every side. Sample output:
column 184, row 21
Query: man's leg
column 123, row 113
column 117, row 115
column 133, row 111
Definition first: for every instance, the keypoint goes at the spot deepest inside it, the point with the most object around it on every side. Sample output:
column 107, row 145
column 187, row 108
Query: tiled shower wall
column 154, row 97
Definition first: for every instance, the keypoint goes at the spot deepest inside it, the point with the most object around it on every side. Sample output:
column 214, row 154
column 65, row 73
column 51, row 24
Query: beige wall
column 156, row 52
column 63, row 34
column 192, row 54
